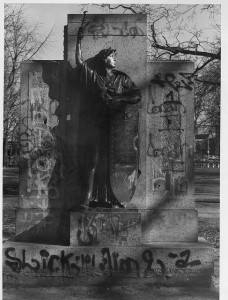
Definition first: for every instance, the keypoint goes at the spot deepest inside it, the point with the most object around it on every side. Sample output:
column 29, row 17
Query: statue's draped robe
column 94, row 129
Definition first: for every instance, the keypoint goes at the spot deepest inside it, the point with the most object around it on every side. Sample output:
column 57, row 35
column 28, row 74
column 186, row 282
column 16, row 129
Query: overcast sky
column 50, row 15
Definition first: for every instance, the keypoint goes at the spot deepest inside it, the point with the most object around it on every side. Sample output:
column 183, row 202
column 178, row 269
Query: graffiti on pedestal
column 100, row 228
column 37, row 139
column 166, row 141
column 183, row 263
column 104, row 262
column 103, row 30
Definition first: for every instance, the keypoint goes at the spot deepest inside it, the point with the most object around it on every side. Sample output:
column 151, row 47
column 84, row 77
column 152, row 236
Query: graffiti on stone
column 103, row 30
column 101, row 263
column 171, row 110
column 184, row 261
column 174, row 82
column 100, row 228
column 37, row 139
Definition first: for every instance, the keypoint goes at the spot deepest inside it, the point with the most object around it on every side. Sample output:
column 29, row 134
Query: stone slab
column 121, row 227
column 169, row 225
column 42, row 91
column 135, row 292
column 50, row 226
column 109, row 18
column 116, row 227
column 169, row 133
column 166, row 264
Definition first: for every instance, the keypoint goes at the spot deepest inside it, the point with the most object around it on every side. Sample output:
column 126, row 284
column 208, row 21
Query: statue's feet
column 104, row 204
column 95, row 204
column 116, row 204
column 85, row 204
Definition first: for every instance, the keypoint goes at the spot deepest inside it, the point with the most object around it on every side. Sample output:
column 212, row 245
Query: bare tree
column 180, row 31
column 22, row 42
column 207, row 102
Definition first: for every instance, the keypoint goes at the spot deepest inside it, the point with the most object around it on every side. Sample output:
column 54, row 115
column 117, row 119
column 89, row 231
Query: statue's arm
column 133, row 97
column 78, row 54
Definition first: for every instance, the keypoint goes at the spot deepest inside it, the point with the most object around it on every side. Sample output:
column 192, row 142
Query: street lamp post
column 208, row 144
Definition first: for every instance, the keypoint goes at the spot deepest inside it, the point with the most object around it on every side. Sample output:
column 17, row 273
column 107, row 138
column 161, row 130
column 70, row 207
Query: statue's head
column 107, row 57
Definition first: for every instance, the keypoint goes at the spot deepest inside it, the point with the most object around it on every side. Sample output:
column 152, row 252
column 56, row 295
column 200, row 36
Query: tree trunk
column 5, row 154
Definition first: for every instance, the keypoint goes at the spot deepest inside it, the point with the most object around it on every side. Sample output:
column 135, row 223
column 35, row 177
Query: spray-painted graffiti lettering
column 105, row 29
column 17, row 264
column 183, row 263
column 171, row 80
column 95, row 229
column 170, row 153
column 38, row 143
column 105, row 263
column 171, row 147
column 166, row 107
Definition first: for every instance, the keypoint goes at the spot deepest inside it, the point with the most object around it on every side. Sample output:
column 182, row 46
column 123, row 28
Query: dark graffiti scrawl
column 173, row 82
column 105, row 29
column 105, row 262
column 37, row 139
column 100, row 228
column 172, row 111
column 184, row 261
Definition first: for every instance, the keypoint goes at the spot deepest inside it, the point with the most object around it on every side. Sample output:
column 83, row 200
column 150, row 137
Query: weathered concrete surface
column 165, row 264
column 104, row 228
column 169, row 225
column 42, row 91
column 168, row 129
column 124, row 227
column 50, row 226
column 169, row 134
column 133, row 292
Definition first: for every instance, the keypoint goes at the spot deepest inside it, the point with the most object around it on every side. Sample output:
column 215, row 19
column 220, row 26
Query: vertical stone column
column 169, row 210
column 42, row 127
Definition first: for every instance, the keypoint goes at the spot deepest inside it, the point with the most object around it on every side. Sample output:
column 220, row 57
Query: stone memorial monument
column 106, row 174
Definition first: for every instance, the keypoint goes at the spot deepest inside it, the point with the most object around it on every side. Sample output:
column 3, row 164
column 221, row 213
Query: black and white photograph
column 111, row 151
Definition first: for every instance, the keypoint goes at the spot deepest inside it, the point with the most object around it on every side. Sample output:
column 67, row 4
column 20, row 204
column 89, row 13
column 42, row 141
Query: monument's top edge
column 170, row 61
column 113, row 18
column 41, row 60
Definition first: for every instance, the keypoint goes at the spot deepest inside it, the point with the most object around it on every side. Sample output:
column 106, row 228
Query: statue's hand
column 81, row 30
column 117, row 99
column 106, row 97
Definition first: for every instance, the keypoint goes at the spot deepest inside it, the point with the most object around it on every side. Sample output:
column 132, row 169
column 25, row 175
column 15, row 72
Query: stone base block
column 49, row 226
column 169, row 225
column 105, row 227
column 163, row 264
column 128, row 227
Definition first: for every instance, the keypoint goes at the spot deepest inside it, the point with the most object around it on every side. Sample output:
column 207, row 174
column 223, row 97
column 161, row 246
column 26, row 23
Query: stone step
column 130, row 228
column 164, row 264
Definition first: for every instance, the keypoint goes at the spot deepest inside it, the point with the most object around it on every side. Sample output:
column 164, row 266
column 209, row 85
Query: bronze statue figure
column 107, row 93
